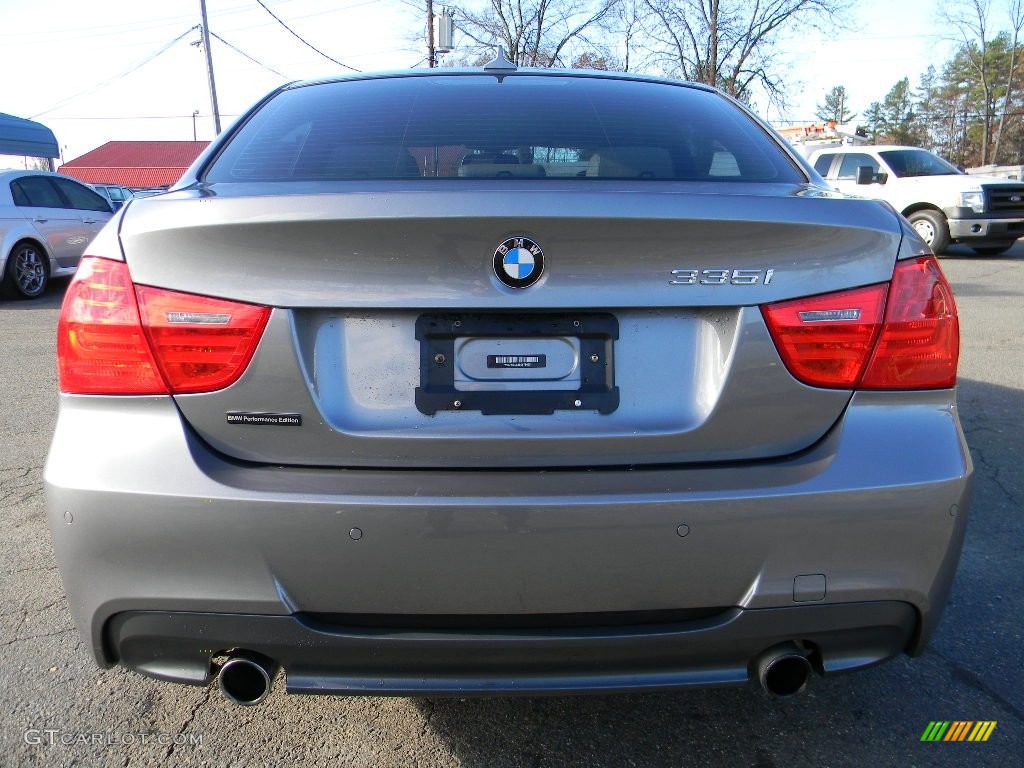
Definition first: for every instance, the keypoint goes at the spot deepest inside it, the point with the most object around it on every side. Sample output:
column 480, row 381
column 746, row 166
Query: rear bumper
column 156, row 535
column 714, row 651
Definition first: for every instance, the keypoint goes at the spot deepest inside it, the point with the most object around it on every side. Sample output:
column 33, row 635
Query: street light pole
column 195, row 114
column 209, row 67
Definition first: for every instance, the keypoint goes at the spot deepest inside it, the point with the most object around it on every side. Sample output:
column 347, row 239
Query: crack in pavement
column 24, row 618
column 7, row 503
column 992, row 472
column 968, row 677
column 9, row 485
column 25, row 471
column 31, row 570
column 35, row 637
column 26, row 612
column 192, row 716
column 974, row 429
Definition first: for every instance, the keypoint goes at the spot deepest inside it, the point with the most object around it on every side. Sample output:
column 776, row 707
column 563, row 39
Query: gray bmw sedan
column 505, row 381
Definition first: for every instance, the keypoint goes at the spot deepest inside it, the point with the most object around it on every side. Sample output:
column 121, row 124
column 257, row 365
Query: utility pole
column 209, row 68
column 431, row 53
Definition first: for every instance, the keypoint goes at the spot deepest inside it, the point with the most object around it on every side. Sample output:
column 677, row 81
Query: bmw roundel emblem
column 519, row 262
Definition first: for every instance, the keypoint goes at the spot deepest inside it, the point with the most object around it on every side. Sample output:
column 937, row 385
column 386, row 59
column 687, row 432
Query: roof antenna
column 500, row 63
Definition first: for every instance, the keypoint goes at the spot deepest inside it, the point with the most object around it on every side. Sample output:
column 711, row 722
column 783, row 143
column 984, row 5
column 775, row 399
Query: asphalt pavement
column 57, row 708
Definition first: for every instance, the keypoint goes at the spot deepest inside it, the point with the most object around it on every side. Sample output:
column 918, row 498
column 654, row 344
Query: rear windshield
column 519, row 127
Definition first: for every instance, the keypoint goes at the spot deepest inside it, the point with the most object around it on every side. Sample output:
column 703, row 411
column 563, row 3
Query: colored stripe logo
column 959, row 730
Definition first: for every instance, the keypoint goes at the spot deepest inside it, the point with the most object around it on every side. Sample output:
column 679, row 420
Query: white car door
column 60, row 227
column 90, row 207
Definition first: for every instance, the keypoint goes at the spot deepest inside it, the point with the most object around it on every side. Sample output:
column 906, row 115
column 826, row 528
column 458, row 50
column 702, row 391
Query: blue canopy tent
column 26, row 138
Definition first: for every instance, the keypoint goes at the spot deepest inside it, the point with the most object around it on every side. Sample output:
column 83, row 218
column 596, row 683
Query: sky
column 100, row 70
column 879, row 43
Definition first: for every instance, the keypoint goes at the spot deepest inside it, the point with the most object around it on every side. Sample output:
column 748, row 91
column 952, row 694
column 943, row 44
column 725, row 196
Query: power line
column 119, row 30
column 115, row 78
column 302, row 40
column 250, row 58
column 328, row 12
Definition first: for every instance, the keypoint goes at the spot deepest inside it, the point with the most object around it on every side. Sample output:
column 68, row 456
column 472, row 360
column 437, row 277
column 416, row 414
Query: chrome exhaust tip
column 246, row 678
column 783, row 670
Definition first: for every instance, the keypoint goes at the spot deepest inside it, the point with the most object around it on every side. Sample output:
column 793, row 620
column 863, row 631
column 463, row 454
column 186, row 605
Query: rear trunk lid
column 394, row 343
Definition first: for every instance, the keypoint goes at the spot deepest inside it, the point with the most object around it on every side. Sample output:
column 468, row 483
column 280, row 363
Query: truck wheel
column 932, row 227
column 992, row 250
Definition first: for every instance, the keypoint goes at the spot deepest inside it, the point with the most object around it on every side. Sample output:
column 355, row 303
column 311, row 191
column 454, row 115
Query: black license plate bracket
column 438, row 333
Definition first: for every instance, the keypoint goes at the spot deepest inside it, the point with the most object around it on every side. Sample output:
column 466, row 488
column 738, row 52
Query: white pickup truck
column 943, row 204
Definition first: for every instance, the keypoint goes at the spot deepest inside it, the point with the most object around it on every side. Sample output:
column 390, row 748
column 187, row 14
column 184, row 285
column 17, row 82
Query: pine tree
column 893, row 121
column 835, row 106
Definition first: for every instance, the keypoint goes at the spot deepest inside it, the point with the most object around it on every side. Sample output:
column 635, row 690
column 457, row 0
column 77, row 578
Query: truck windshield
column 917, row 162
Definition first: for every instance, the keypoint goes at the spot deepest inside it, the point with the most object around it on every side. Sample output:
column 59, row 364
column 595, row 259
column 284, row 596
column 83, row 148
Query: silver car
column 498, row 381
column 46, row 221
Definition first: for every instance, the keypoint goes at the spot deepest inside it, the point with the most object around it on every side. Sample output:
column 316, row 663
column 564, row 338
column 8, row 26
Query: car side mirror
column 865, row 174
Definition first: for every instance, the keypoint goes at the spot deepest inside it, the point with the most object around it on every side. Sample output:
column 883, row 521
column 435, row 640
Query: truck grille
column 1005, row 200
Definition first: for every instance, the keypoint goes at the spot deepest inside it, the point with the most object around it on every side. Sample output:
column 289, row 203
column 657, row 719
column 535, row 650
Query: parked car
column 116, row 194
column 688, row 418
column 944, row 204
column 148, row 191
column 46, row 221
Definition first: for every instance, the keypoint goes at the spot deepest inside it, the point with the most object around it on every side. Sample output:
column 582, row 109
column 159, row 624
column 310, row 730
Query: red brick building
column 135, row 164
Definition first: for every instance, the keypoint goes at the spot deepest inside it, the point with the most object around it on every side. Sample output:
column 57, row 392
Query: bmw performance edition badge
column 519, row 262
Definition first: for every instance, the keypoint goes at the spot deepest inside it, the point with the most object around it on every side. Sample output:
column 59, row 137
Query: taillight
column 200, row 344
column 825, row 341
column 101, row 347
column 920, row 343
column 116, row 338
column 903, row 335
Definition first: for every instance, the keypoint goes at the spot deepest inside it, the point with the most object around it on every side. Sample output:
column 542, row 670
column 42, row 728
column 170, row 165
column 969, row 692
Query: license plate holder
column 441, row 334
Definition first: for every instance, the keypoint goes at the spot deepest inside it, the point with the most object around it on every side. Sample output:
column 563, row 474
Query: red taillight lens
column 101, row 347
column 920, row 343
column 901, row 336
column 825, row 341
column 200, row 344
column 116, row 338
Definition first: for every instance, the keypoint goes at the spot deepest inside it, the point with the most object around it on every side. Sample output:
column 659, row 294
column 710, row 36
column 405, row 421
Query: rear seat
column 361, row 161
column 497, row 167
column 632, row 163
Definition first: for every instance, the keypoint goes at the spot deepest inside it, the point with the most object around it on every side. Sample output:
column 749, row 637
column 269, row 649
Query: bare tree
column 971, row 22
column 728, row 43
column 628, row 24
column 537, row 33
column 1015, row 10
column 38, row 163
